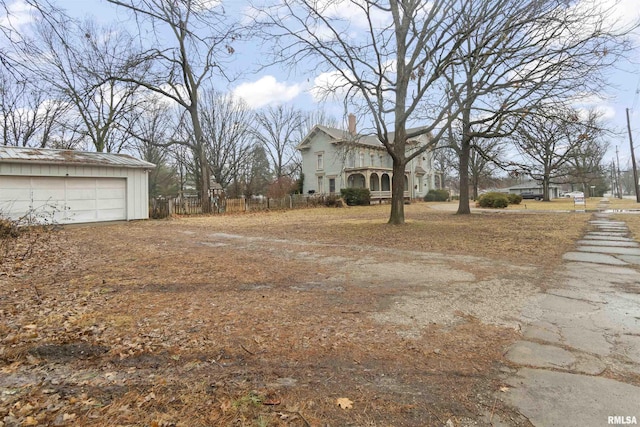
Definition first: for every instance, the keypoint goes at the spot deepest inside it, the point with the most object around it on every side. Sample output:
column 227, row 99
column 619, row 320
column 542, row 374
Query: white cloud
column 204, row 5
column 598, row 104
column 18, row 14
column 267, row 90
column 353, row 11
column 329, row 86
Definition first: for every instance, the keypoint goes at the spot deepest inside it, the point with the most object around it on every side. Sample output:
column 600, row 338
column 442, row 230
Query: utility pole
column 633, row 160
column 618, row 180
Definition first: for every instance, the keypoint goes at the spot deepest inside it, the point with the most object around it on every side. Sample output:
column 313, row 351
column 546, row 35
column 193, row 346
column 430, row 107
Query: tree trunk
column 465, row 152
column 545, row 189
column 397, row 193
column 202, row 154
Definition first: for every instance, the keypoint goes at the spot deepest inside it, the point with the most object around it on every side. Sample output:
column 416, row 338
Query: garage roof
column 50, row 156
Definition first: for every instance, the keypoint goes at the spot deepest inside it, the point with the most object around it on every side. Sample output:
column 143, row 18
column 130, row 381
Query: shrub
column 493, row 200
column 514, row 199
column 356, row 196
column 437, row 196
column 333, row 201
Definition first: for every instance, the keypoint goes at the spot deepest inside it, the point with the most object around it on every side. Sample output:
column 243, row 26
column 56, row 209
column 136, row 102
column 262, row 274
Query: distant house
column 73, row 186
column 532, row 188
column 333, row 159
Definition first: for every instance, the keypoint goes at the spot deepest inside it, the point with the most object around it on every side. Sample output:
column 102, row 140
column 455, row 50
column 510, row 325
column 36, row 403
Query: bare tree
column 28, row 117
column 586, row 165
column 380, row 68
column 549, row 143
column 201, row 35
column 226, row 129
column 403, row 62
column 277, row 129
column 445, row 164
column 258, row 172
column 483, row 159
column 72, row 60
column 523, row 56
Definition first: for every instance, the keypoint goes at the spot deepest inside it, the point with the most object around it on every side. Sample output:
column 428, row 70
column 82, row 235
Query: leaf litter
column 142, row 324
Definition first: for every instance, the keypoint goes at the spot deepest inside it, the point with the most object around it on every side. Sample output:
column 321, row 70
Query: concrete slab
column 538, row 355
column 608, row 242
column 585, row 338
column 608, row 223
column 593, row 258
column 544, row 331
column 562, row 306
column 605, row 233
column 561, row 399
column 605, row 236
column 609, row 250
column 631, row 259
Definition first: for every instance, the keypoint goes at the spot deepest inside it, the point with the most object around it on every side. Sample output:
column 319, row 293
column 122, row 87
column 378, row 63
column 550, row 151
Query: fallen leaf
column 504, row 389
column 225, row 406
column 344, row 403
column 30, row 421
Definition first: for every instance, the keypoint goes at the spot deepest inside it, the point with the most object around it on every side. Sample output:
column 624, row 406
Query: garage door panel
column 14, row 194
column 110, row 204
column 81, row 205
column 8, row 183
column 20, row 207
column 80, row 194
column 66, row 200
column 43, row 194
column 111, row 193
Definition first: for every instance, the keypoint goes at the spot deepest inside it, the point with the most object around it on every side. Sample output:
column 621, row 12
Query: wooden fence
column 165, row 207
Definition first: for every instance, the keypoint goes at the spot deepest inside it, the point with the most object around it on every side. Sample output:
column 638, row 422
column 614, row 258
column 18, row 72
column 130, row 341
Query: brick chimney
column 352, row 124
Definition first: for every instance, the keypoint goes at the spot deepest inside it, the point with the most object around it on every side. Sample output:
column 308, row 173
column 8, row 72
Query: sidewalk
column 579, row 361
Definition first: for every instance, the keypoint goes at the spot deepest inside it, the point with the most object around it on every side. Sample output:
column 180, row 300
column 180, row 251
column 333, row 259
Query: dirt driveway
column 308, row 318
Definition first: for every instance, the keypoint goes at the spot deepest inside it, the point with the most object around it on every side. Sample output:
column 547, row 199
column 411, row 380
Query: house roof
column 71, row 157
column 341, row 135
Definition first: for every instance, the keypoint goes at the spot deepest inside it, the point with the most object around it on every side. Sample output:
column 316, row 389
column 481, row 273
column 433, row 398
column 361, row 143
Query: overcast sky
column 273, row 86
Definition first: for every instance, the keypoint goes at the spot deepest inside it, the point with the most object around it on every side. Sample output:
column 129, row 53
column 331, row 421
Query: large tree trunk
column 475, row 185
column 465, row 152
column 397, row 193
column 545, row 189
column 202, row 154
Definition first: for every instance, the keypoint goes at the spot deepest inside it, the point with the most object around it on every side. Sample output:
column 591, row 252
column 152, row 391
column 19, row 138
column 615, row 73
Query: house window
column 320, row 184
column 351, row 161
column 361, row 160
column 372, row 158
column 320, row 164
column 381, row 160
column 332, row 185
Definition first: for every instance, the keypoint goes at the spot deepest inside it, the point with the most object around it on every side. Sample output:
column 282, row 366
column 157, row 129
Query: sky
column 282, row 86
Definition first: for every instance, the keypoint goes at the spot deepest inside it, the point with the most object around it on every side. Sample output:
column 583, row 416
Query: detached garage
column 73, row 186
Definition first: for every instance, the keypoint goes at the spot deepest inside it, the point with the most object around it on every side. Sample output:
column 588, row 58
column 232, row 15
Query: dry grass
column 514, row 236
column 261, row 319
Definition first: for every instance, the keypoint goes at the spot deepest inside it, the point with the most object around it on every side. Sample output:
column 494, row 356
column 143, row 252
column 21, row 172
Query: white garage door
column 66, row 200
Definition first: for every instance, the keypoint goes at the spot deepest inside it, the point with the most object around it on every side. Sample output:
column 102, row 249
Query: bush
column 333, row 201
column 356, row 196
column 493, row 200
column 514, row 199
column 437, row 196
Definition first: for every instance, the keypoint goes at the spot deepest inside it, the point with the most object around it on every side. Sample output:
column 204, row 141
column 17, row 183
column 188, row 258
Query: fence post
column 290, row 201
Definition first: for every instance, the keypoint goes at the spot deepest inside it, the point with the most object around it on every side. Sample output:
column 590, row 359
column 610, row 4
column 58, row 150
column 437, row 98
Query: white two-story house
column 333, row 159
